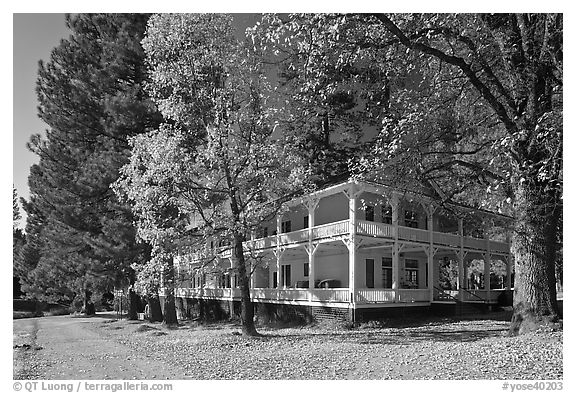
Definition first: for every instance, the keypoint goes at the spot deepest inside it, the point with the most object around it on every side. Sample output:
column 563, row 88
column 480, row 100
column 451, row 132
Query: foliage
column 448, row 273
column 213, row 172
column 513, row 64
column 330, row 93
column 469, row 106
column 16, row 216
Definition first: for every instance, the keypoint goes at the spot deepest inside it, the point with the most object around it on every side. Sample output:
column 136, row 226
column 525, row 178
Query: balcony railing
column 331, row 229
column 372, row 229
column 375, row 229
column 413, row 234
column 446, row 239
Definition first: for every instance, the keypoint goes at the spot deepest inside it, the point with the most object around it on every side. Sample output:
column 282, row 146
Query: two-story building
column 355, row 250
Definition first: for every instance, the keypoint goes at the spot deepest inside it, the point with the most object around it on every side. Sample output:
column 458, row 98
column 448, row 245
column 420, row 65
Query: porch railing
column 375, row 295
column 341, row 295
column 413, row 295
column 477, row 294
column 468, row 295
column 329, row 295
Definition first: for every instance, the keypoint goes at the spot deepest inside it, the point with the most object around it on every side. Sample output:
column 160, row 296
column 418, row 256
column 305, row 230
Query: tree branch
column 458, row 62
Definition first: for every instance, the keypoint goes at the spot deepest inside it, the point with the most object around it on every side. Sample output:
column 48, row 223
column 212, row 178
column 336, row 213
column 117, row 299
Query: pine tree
column 91, row 96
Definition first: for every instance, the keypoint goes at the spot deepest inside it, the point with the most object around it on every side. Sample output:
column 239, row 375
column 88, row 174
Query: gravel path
column 64, row 347
column 434, row 349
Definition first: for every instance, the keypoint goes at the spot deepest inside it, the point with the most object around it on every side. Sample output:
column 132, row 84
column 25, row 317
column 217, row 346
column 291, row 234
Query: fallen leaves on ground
column 433, row 349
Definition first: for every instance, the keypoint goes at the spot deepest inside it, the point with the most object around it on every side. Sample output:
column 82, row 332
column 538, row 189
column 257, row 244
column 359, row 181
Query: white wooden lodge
column 354, row 250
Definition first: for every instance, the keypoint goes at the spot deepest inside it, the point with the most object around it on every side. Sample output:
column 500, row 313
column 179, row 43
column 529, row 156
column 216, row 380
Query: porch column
column 352, row 205
column 487, row 262
column 278, row 251
column 311, row 205
column 252, row 276
column 395, row 205
column 461, row 269
column 508, row 272
column 487, row 257
column 430, row 253
column 508, row 266
column 232, row 274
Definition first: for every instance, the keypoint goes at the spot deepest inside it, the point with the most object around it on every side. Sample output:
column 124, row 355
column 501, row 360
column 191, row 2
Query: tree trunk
column 155, row 309
column 133, row 304
column 170, row 317
column 246, row 306
column 534, row 246
column 133, row 299
column 88, row 305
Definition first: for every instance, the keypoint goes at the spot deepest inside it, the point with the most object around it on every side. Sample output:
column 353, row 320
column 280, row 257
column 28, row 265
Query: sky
column 34, row 37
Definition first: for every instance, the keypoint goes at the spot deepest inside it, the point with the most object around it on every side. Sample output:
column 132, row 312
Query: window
column 369, row 273
column 411, row 219
column 386, row 214
column 369, row 210
column 387, row 272
column 262, row 232
column 411, row 269
column 275, row 280
column 286, row 226
column 306, row 269
column 305, row 221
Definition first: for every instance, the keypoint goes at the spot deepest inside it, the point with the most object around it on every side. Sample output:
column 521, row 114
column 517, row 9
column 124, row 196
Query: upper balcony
column 374, row 214
column 377, row 230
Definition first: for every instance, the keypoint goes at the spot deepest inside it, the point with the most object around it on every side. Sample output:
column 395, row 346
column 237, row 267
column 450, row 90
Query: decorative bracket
column 434, row 250
column 278, row 252
column 352, row 192
column 311, row 250
column 348, row 243
column 311, row 203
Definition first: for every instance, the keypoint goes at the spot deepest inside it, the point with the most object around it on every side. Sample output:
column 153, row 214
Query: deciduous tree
column 214, row 171
column 469, row 106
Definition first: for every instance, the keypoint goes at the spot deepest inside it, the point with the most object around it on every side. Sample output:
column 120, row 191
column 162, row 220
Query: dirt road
column 65, row 347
